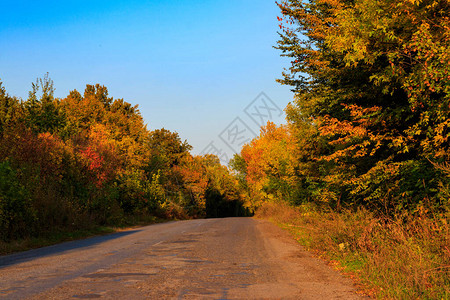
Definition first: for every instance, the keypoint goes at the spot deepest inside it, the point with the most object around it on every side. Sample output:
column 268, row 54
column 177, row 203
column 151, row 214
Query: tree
column 168, row 147
column 9, row 110
column 267, row 165
column 372, row 78
column 15, row 204
column 42, row 113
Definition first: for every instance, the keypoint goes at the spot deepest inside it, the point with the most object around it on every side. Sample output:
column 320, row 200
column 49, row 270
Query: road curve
column 233, row 258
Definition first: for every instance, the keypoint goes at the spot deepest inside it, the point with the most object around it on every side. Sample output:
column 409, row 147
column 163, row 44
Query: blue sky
column 191, row 66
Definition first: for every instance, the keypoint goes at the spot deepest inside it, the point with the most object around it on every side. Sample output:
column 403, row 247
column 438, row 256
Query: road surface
column 232, row 258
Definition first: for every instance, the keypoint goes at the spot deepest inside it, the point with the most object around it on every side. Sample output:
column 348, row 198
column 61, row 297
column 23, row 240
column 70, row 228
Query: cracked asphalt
column 231, row 258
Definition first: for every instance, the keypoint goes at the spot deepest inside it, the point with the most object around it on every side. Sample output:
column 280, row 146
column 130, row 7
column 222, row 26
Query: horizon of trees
column 88, row 159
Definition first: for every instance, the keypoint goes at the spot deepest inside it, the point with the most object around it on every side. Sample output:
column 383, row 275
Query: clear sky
column 192, row 66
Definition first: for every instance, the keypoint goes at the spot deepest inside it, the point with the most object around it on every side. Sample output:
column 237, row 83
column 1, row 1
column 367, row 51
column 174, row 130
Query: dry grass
column 393, row 259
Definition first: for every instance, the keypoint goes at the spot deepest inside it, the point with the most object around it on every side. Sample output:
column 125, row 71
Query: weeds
column 402, row 258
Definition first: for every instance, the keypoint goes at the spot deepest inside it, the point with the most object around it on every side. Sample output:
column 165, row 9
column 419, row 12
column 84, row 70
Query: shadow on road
column 17, row 258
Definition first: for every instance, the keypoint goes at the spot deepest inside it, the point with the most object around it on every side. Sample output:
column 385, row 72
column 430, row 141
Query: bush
column 16, row 212
column 392, row 258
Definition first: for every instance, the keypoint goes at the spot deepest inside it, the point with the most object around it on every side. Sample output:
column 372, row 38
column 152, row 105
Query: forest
column 89, row 159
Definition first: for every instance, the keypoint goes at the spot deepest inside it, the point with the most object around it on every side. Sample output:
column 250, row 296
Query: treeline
column 369, row 126
column 89, row 159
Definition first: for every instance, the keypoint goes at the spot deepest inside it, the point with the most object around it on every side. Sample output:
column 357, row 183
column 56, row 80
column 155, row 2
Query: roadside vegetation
column 387, row 258
column 361, row 171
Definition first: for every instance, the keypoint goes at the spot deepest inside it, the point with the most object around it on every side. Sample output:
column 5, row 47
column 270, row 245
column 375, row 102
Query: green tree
column 42, row 111
column 16, row 213
column 168, row 147
column 10, row 110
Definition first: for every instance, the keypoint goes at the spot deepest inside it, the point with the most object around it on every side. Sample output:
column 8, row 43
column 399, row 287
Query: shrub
column 16, row 212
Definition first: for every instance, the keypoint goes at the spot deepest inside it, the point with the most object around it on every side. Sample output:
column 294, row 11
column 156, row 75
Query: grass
column 64, row 235
column 406, row 258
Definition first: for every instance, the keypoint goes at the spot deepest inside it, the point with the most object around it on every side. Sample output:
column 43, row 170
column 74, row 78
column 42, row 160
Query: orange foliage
column 269, row 157
column 44, row 152
column 194, row 179
column 100, row 156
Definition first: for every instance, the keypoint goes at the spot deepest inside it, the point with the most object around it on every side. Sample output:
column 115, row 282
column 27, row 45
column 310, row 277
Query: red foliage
column 95, row 164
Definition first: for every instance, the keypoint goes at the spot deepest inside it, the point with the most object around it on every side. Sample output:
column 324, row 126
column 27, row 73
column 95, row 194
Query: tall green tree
column 9, row 110
column 42, row 111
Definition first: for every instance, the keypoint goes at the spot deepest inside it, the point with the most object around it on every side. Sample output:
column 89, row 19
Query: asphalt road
column 233, row 258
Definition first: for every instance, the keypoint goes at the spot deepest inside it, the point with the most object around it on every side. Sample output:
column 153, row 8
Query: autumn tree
column 168, row 147
column 372, row 79
column 224, row 195
column 267, row 165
